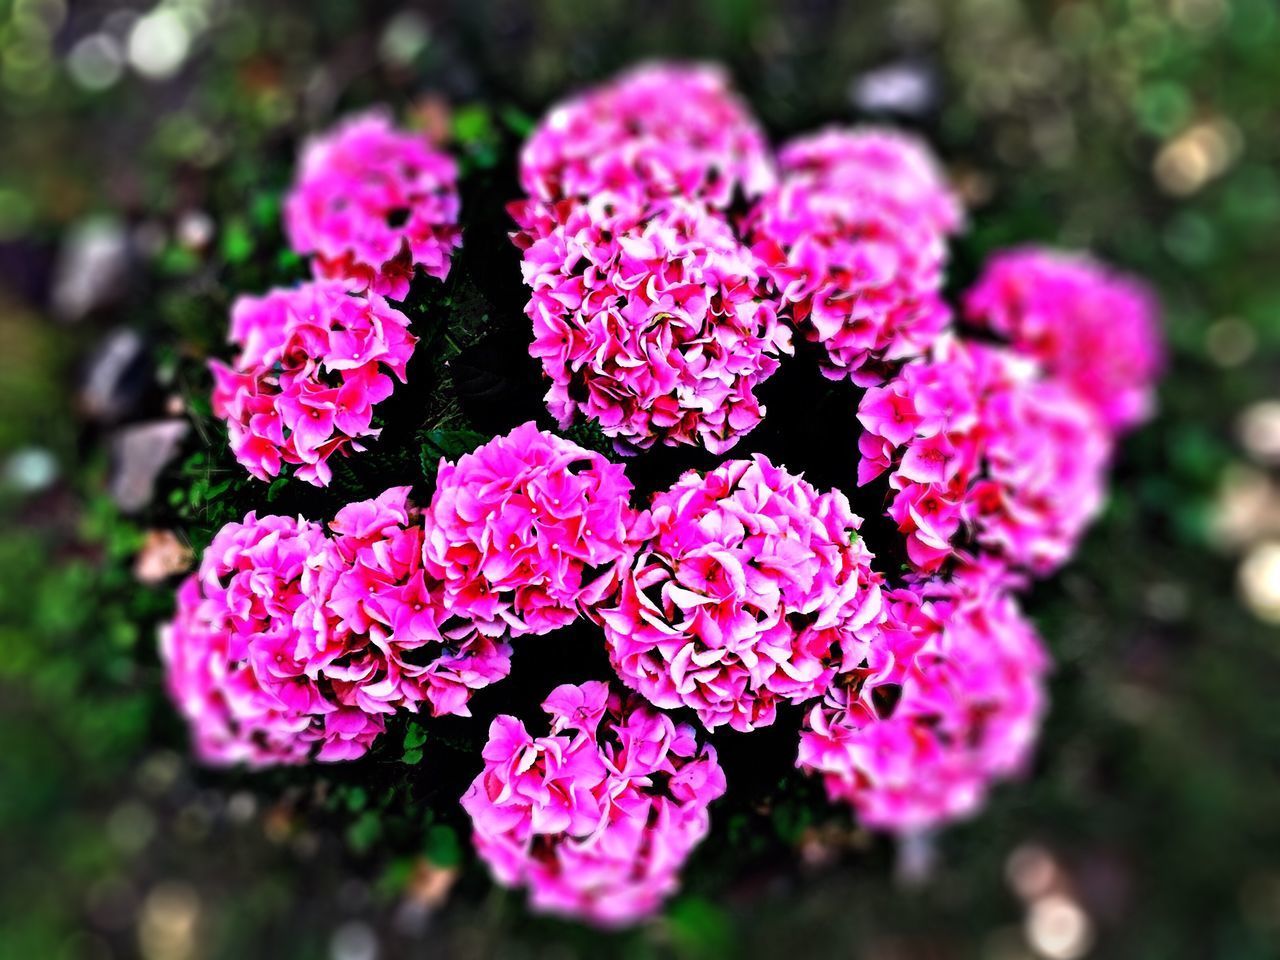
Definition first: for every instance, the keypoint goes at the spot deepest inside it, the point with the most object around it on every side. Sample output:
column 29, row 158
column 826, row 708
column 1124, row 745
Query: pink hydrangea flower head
column 313, row 362
column 372, row 204
column 734, row 601
column 656, row 132
column 853, row 239
column 237, row 654
column 598, row 816
column 898, row 167
column 520, row 531
column 653, row 323
column 395, row 642
column 1094, row 328
column 984, row 451
column 948, row 700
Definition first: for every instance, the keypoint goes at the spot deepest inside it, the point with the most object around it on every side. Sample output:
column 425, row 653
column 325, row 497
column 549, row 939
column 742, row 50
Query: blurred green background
column 142, row 156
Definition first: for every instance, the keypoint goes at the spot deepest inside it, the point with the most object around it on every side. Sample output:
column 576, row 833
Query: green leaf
column 449, row 444
column 700, row 928
column 442, row 847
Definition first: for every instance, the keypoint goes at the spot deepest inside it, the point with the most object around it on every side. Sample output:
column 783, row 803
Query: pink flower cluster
column 948, row 700
column 652, row 322
column 656, row 132
column 736, row 596
column 373, row 204
column 288, row 632
column 289, row 642
column 983, row 448
column 521, row 531
column 853, row 238
column 313, row 362
column 1093, row 328
column 598, row 816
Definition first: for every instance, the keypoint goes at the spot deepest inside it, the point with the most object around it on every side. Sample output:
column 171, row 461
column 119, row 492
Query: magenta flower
column 656, row 132
column 238, row 652
column 313, row 362
column 1094, row 328
column 597, row 817
column 853, row 239
column 734, row 601
column 653, row 323
column 984, row 451
column 945, row 702
column 373, row 205
column 520, row 530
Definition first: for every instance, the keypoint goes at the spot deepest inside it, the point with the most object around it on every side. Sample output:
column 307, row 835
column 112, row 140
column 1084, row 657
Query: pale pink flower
column 313, row 362
column 652, row 322
column 656, row 132
column 946, row 701
column 597, row 817
column 985, row 453
column 520, row 531
column 373, row 204
column 732, row 603
column 1093, row 328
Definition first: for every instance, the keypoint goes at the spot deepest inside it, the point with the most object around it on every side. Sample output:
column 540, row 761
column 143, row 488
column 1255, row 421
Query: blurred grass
column 1145, row 130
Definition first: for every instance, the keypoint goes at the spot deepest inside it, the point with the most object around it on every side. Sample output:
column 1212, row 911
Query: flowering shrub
column 729, row 605
column 667, row 264
column 656, row 132
column 652, row 323
column 978, row 443
column 853, row 239
column 947, row 701
column 373, row 205
column 1095, row 329
column 313, row 362
column 518, row 529
column 597, row 817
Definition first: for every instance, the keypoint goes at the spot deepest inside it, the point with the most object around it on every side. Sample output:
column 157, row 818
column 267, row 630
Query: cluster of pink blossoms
column 598, row 816
column 653, row 133
column 655, row 304
column 1092, row 328
column 289, row 638
column 853, row 238
column 737, row 595
column 981, row 446
column 373, row 204
column 289, row 642
column 650, row 316
column 313, row 361
column 947, row 700
column 652, row 321
column 522, row 530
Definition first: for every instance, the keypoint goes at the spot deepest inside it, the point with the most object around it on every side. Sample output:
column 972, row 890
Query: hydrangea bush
column 677, row 272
